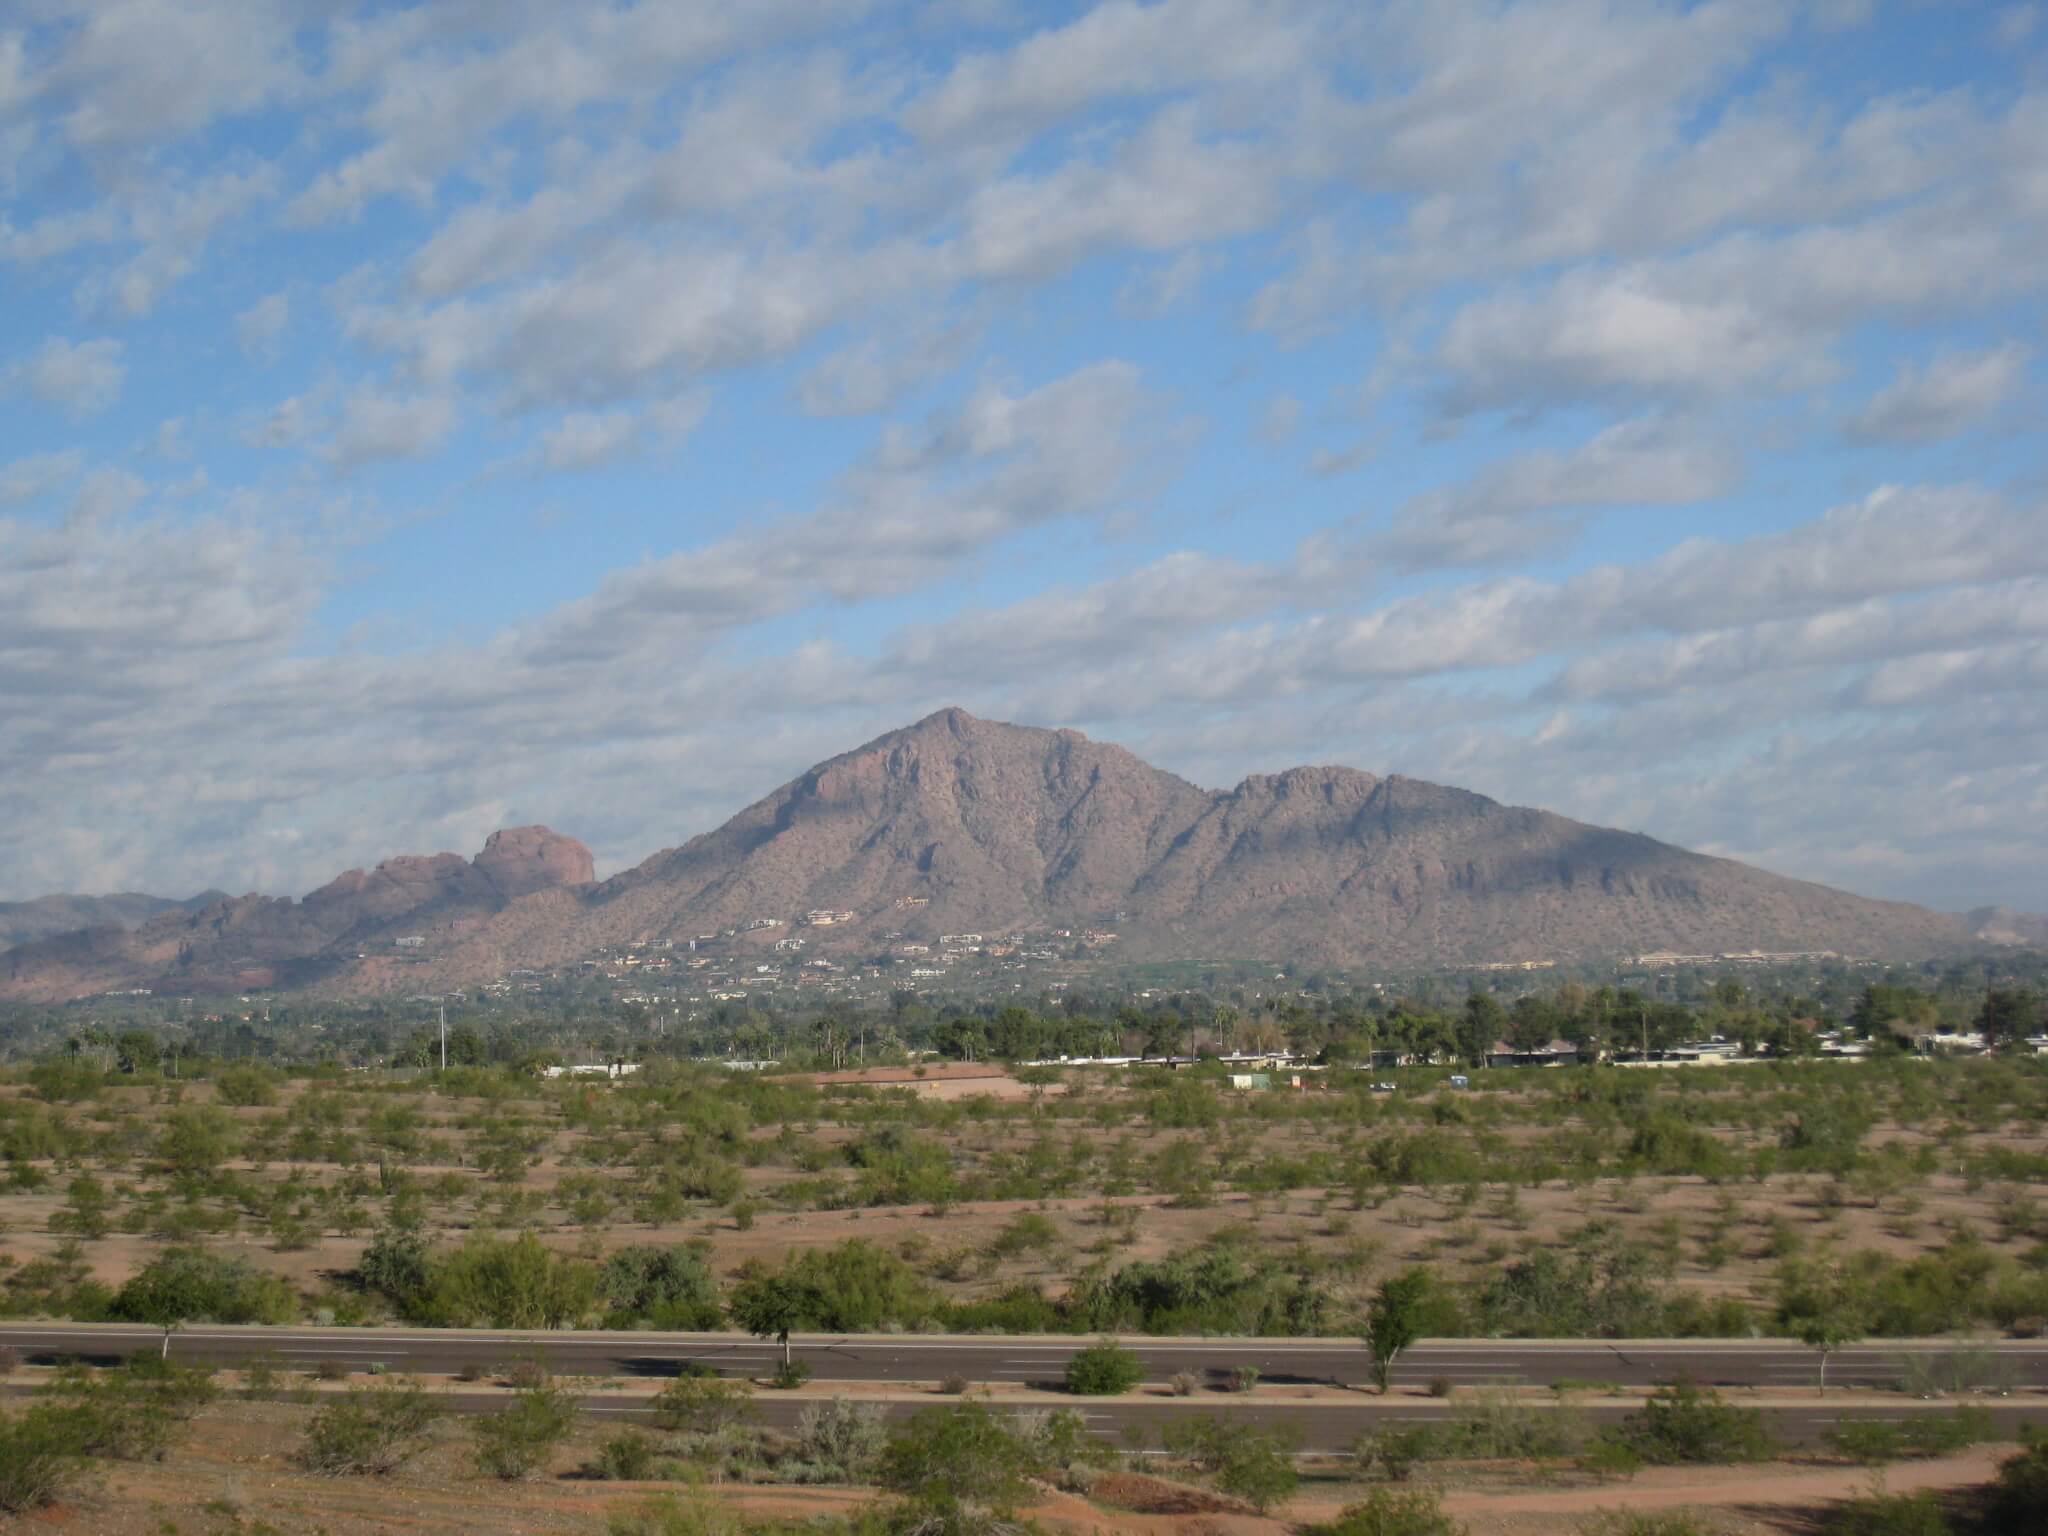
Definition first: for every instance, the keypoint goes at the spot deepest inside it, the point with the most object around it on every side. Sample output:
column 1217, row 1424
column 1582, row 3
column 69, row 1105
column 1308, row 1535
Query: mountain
column 23, row 922
column 962, row 825
column 351, row 927
column 2002, row 925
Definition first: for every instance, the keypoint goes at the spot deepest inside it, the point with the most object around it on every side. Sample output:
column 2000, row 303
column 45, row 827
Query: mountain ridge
column 956, row 824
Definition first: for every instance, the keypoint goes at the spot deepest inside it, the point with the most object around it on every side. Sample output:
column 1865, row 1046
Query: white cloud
column 136, row 72
column 1113, row 50
column 1608, row 336
column 1951, row 394
column 36, row 476
column 259, row 327
column 584, row 440
column 1507, row 512
column 376, row 427
column 78, row 377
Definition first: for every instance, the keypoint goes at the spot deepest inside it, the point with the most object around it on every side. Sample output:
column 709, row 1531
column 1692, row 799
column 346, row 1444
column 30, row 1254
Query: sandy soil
column 234, row 1470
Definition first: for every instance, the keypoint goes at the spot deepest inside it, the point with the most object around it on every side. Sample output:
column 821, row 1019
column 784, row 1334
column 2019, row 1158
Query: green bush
column 131, row 1413
column 947, row 1458
column 843, row 1435
column 666, row 1287
column 670, row 1516
column 41, row 1458
column 703, row 1405
column 1890, row 1515
column 514, row 1442
column 1258, row 1467
column 1685, row 1424
column 246, row 1087
column 2017, row 1503
column 373, row 1430
column 1390, row 1512
column 1645, row 1522
column 1103, row 1369
column 500, row 1283
column 627, row 1457
column 1394, row 1453
column 191, row 1285
column 1875, row 1441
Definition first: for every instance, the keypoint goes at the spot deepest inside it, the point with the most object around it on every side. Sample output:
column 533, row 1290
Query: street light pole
column 444, row 1034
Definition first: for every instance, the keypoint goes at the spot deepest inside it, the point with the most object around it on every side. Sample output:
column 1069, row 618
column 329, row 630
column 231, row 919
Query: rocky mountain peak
column 521, row 860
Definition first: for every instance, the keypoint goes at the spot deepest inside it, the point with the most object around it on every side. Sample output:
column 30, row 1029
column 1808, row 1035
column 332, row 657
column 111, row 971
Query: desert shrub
column 666, row 1287
column 627, row 1457
column 131, row 1413
column 1254, row 1465
column 842, row 1434
column 2017, row 1502
column 1258, row 1467
column 41, row 1458
column 513, row 1442
column 395, row 1265
column 1965, row 1369
column 670, row 1516
column 1500, row 1427
column 501, row 1283
column 1644, row 1522
column 372, row 1430
column 703, row 1405
column 192, row 1284
column 1103, row 1369
column 790, row 1374
column 1390, row 1512
column 1216, row 1291
column 246, row 1086
column 1026, row 1232
column 1902, row 1514
column 1603, row 1289
column 1922, row 1434
column 1393, row 1453
column 1022, row 1309
column 949, row 1462
column 1184, row 1383
column 1684, row 1423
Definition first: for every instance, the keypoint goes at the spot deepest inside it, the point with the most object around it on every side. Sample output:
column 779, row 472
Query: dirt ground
column 233, row 1475
column 1719, row 1239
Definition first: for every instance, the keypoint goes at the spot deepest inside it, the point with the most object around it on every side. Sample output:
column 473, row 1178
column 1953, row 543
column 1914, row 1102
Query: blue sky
column 417, row 419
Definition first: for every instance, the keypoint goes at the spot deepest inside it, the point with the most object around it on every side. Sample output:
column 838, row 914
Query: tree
column 1481, row 1027
column 1394, row 1320
column 183, row 1285
column 1825, row 1309
column 2007, row 1017
column 772, row 1304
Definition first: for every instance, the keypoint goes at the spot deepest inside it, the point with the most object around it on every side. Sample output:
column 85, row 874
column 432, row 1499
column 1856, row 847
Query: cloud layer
column 423, row 417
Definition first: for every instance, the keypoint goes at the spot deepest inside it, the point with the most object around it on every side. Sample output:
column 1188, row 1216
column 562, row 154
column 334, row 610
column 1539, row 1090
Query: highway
column 1015, row 1361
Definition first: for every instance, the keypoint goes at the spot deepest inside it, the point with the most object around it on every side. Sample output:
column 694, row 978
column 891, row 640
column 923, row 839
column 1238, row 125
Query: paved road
column 1017, row 1361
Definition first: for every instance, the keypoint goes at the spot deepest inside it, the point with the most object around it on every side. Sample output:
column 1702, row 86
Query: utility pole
column 444, row 1034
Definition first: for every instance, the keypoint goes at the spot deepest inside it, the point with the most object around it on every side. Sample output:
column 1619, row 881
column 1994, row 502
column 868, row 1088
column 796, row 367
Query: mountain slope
column 23, row 922
column 962, row 825
column 347, row 927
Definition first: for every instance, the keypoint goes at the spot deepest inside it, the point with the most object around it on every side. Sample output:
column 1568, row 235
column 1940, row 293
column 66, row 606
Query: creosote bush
column 1103, row 1369
column 373, row 1430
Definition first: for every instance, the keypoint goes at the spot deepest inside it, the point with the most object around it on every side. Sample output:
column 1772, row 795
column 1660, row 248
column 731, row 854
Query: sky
column 418, row 419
